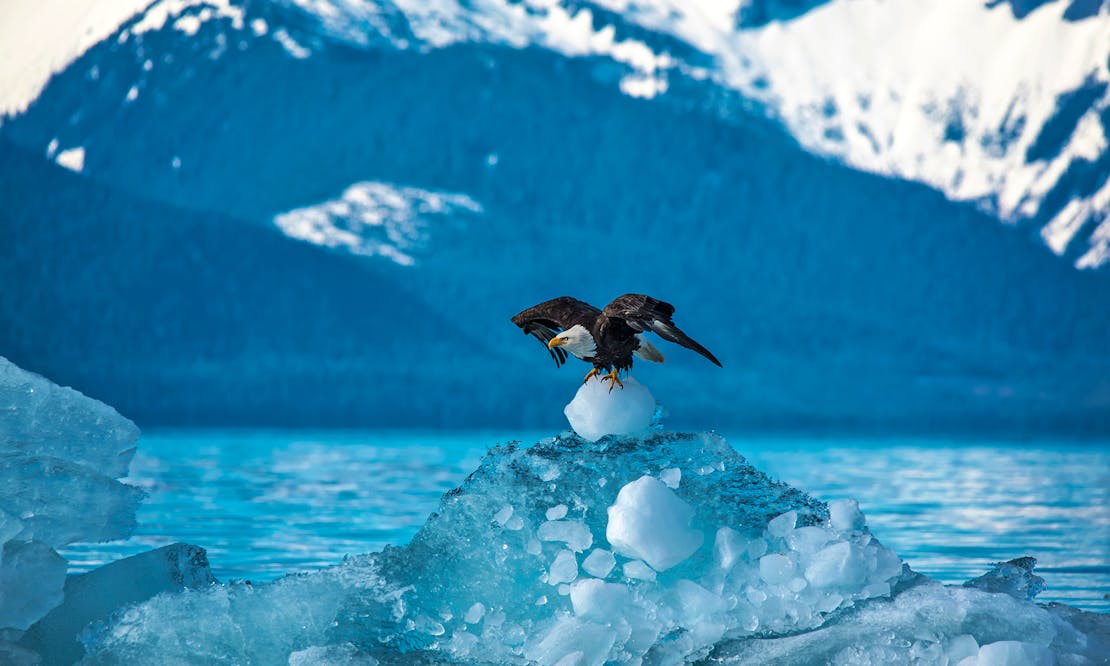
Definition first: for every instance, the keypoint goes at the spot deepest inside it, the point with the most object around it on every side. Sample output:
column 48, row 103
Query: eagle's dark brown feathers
column 614, row 329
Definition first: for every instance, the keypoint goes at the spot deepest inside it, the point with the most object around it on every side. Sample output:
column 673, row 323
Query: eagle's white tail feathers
column 648, row 351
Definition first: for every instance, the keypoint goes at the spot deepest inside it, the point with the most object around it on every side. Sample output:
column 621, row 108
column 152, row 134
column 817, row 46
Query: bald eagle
column 606, row 338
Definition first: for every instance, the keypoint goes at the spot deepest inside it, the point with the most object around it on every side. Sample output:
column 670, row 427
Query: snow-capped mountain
column 1003, row 104
column 405, row 177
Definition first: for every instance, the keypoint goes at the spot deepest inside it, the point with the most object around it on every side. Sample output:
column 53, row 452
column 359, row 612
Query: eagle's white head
column 576, row 340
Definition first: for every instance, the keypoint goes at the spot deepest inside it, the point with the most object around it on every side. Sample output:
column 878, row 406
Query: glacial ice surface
column 575, row 552
column 60, row 456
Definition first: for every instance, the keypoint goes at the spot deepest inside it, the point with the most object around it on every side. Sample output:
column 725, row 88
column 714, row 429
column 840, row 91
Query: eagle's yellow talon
column 614, row 380
column 592, row 373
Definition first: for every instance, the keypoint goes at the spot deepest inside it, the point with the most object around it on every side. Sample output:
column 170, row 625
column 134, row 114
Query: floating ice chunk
column 651, row 523
column 40, row 418
column 1015, row 578
column 94, row 596
column 574, row 534
column 599, row 563
column 399, row 603
column 596, row 411
column 59, row 452
column 671, row 476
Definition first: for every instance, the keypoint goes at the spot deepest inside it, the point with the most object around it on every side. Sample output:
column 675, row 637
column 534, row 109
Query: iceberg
column 61, row 455
column 659, row 548
column 651, row 548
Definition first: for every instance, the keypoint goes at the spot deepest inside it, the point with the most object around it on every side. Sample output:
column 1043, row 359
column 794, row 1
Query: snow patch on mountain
column 376, row 219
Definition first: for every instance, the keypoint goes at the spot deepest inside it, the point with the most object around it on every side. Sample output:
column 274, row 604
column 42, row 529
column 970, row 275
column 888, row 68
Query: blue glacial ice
column 61, row 456
column 661, row 548
column 654, row 548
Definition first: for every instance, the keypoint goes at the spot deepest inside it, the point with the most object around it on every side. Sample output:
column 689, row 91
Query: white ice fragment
column 807, row 540
column 571, row 641
column 502, row 516
column 650, row 522
column 776, row 569
column 474, row 613
column 845, row 515
column 596, row 411
column 574, row 534
column 671, row 476
column 755, row 595
column 757, row 548
column 695, row 603
column 1015, row 653
column 594, row 599
column 557, row 512
column 728, row 547
column 599, row 563
column 638, row 570
column 533, row 547
column 837, row 565
column 782, row 524
column 564, row 568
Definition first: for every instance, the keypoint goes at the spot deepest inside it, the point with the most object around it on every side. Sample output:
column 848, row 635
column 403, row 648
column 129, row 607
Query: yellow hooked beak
column 555, row 342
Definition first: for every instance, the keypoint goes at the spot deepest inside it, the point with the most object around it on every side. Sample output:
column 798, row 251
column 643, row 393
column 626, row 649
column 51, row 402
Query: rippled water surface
column 265, row 503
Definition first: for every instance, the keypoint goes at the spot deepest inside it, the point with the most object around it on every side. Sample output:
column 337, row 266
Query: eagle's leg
column 592, row 373
column 614, row 380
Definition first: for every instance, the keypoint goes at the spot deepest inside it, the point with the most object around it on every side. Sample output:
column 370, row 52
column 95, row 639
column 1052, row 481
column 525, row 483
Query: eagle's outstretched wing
column 644, row 313
column 544, row 320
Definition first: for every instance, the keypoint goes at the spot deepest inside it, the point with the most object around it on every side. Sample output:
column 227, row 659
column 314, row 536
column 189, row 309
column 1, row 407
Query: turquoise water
column 265, row 503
